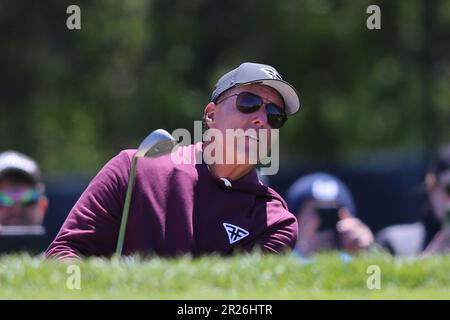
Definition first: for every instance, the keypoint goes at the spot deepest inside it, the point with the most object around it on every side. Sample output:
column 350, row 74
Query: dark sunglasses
column 247, row 102
column 24, row 197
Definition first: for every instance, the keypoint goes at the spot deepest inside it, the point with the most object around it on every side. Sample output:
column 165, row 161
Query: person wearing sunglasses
column 22, row 199
column 252, row 98
column 430, row 235
column 200, row 207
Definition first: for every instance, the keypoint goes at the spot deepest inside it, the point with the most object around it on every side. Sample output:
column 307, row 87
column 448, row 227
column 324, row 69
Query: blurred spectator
column 22, row 199
column 431, row 234
column 326, row 216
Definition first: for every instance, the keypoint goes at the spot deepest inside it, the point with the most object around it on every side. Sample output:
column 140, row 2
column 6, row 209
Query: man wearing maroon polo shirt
column 195, row 208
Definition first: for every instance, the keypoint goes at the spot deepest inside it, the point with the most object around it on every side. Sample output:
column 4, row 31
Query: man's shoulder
column 277, row 210
column 175, row 165
column 117, row 168
column 281, row 223
column 278, row 200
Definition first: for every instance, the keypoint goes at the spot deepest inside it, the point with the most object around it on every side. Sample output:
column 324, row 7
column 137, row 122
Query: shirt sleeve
column 92, row 225
column 280, row 233
column 281, row 237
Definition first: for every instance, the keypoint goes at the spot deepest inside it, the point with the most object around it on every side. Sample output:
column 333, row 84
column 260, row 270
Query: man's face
column 225, row 115
column 20, row 212
column 439, row 197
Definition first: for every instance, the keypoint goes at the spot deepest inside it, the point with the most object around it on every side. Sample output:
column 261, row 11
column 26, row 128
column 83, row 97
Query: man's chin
column 249, row 156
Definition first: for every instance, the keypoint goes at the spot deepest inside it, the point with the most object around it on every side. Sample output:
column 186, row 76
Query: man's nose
column 260, row 118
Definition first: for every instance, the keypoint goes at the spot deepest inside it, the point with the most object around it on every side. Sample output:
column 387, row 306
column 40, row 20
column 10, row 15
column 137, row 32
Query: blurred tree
column 73, row 99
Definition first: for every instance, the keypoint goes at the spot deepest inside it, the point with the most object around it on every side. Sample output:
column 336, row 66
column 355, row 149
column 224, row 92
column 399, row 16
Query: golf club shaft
column 126, row 207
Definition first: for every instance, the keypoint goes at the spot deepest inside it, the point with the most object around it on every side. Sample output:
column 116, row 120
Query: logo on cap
column 272, row 73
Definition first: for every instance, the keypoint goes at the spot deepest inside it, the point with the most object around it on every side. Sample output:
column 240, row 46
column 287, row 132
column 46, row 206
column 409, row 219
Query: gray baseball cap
column 255, row 73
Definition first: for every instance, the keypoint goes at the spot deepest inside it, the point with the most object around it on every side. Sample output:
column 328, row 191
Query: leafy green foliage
column 73, row 99
column 253, row 276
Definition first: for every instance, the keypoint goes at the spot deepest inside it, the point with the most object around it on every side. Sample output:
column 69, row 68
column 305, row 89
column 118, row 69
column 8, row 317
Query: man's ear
column 209, row 114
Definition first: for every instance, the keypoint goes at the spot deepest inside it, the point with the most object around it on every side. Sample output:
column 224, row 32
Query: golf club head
column 156, row 144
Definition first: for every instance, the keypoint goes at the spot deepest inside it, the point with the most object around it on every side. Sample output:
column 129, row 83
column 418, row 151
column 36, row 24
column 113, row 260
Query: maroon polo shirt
column 175, row 209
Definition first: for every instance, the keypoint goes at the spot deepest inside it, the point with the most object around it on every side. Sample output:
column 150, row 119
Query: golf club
column 157, row 143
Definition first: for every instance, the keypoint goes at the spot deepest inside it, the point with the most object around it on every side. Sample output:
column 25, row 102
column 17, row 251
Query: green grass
column 241, row 277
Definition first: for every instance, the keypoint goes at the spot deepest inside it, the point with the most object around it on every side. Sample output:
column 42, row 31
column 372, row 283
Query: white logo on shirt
column 235, row 233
